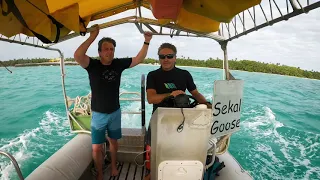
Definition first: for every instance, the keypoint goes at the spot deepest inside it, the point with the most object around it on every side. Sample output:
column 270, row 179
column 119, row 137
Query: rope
column 135, row 159
column 223, row 144
column 82, row 105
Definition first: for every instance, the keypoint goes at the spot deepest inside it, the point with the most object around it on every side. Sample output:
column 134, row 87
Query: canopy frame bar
column 271, row 7
column 148, row 23
column 225, row 34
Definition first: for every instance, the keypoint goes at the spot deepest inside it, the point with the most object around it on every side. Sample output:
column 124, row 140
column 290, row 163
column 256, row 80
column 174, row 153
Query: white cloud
column 294, row 43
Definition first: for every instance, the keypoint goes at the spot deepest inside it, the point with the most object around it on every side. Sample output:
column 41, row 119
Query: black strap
column 2, row 9
column 13, row 8
column 58, row 26
column 84, row 25
column 220, row 166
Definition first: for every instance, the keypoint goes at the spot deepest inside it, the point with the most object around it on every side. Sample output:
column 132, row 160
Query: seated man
column 168, row 80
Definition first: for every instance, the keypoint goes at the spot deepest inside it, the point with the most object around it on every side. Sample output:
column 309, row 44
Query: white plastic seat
column 179, row 155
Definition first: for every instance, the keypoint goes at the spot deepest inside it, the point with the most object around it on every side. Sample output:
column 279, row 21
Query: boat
column 43, row 24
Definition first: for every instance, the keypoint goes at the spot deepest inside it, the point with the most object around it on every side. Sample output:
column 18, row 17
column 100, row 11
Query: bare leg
column 97, row 156
column 113, row 143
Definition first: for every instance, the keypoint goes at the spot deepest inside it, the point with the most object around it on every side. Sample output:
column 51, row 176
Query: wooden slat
column 131, row 171
column 124, row 171
column 108, row 172
column 120, row 166
column 144, row 171
column 127, row 171
column 139, row 173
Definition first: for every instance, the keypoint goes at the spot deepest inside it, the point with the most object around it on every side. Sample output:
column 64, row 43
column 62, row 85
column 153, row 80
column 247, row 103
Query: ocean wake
column 32, row 144
column 279, row 148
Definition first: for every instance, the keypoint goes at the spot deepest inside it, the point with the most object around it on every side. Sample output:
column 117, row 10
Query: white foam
column 18, row 148
column 267, row 167
column 23, row 147
column 287, row 146
column 312, row 170
column 305, row 162
column 263, row 127
column 131, row 120
column 255, row 125
column 20, row 140
column 265, row 120
column 312, row 147
column 267, row 132
column 267, row 149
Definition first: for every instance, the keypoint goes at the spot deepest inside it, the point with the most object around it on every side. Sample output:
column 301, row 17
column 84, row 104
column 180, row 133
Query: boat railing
column 141, row 97
column 14, row 162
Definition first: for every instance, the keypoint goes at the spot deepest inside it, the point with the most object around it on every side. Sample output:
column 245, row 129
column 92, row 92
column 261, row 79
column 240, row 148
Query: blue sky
column 295, row 43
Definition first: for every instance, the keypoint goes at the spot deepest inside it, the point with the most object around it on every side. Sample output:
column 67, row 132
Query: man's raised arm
column 144, row 50
column 80, row 54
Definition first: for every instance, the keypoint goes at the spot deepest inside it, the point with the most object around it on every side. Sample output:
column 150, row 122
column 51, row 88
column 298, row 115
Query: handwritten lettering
column 230, row 108
column 224, row 126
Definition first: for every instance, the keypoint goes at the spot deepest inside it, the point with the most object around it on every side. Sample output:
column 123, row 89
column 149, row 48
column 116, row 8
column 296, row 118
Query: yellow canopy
column 50, row 20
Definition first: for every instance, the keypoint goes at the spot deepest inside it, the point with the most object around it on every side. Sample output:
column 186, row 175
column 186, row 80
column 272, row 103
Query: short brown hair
column 169, row 46
column 106, row 39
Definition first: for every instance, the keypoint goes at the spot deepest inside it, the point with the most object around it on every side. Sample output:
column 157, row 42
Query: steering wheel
column 194, row 103
column 167, row 101
column 170, row 101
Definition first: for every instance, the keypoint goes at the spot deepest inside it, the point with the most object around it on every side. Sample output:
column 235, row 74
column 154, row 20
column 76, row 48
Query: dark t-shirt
column 168, row 81
column 105, row 83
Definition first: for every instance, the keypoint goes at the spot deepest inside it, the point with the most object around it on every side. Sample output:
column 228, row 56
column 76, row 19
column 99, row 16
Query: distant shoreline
column 241, row 66
column 45, row 64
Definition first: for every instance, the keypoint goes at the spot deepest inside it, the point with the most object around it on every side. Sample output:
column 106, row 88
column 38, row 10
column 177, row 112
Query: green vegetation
column 26, row 61
column 244, row 65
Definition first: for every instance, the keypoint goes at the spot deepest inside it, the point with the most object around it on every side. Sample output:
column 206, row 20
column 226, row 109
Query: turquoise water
column 279, row 136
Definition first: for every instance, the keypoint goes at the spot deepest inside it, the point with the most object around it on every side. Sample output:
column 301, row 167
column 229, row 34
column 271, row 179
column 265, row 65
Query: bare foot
column 114, row 171
column 147, row 177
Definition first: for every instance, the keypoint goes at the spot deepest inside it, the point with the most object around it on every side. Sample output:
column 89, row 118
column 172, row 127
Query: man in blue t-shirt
column 105, row 76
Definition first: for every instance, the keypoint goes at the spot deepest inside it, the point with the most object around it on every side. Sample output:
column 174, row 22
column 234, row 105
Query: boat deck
column 130, row 171
column 127, row 171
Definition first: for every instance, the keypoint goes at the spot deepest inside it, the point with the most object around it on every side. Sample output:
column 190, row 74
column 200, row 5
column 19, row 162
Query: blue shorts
column 102, row 122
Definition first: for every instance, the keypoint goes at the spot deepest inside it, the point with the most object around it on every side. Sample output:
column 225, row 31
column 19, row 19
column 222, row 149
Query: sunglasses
column 169, row 56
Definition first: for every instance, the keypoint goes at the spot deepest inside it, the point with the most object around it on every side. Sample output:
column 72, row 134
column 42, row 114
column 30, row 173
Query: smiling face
column 106, row 52
column 167, row 59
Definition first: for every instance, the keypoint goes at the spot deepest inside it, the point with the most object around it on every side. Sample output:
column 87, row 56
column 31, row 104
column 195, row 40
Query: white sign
column 226, row 107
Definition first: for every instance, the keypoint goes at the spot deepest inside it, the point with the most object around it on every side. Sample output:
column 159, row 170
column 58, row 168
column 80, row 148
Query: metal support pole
column 225, row 60
column 140, row 14
column 63, row 86
column 293, row 5
column 143, row 101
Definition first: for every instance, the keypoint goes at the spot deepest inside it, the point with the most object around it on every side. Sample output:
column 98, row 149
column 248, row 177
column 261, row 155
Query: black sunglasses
column 169, row 56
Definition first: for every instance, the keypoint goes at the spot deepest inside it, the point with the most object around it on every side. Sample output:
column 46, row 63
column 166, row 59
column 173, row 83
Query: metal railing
column 14, row 162
column 141, row 98
column 267, row 13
